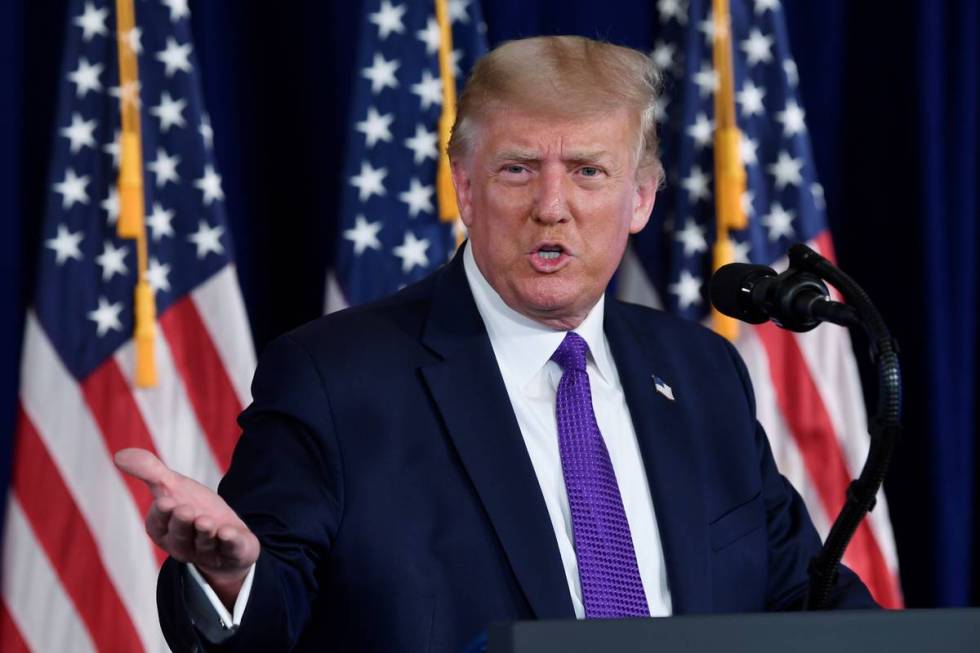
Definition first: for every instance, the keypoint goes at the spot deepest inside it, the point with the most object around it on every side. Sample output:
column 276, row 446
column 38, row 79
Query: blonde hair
column 561, row 76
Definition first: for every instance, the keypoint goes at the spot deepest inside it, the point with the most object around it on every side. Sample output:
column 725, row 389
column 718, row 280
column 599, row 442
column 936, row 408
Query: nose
column 551, row 201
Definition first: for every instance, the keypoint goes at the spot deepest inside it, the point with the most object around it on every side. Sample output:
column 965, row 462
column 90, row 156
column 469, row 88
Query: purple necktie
column 607, row 567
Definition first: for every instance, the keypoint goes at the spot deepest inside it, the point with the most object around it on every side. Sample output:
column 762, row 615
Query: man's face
column 549, row 205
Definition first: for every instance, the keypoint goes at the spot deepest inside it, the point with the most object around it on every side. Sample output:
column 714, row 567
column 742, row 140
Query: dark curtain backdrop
column 890, row 93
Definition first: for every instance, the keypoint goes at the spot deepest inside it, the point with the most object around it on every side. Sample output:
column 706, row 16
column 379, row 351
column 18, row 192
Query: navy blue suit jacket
column 382, row 468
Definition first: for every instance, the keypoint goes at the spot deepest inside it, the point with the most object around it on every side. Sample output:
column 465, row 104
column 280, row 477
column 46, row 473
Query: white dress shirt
column 523, row 349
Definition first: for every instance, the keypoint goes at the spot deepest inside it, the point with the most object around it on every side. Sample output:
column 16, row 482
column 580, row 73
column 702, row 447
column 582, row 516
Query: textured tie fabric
column 611, row 585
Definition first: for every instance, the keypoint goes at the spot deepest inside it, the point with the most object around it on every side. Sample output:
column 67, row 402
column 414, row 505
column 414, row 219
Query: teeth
column 549, row 255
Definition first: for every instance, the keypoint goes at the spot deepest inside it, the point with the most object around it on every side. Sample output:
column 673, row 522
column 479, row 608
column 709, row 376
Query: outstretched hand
column 193, row 524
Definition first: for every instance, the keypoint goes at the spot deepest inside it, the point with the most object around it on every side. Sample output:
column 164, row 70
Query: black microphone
column 794, row 300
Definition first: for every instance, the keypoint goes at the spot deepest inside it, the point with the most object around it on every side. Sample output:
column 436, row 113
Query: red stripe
column 11, row 640
column 208, row 386
column 66, row 539
column 110, row 398
column 803, row 409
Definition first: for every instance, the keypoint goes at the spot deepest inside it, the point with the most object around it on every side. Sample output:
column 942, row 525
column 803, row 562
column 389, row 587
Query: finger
column 180, row 531
column 143, row 465
column 205, row 535
column 158, row 519
column 233, row 544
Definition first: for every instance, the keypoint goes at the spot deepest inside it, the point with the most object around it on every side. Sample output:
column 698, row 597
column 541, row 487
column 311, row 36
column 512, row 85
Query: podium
column 865, row 631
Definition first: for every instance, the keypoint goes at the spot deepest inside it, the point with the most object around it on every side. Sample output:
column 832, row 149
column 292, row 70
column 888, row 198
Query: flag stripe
column 108, row 396
column 33, row 594
column 65, row 536
column 78, row 449
column 11, row 640
column 220, row 306
column 170, row 417
column 209, row 388
column 810, row 425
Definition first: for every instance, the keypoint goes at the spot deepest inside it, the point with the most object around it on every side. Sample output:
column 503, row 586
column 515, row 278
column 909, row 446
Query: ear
column 646, row 194
column 464, row 190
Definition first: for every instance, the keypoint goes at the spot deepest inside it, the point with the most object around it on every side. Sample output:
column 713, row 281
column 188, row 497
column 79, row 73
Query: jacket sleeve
column 286, row 483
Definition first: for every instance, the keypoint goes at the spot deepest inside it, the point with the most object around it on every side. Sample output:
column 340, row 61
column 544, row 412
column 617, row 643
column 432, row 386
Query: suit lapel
column 669, row 456
column 470, row 394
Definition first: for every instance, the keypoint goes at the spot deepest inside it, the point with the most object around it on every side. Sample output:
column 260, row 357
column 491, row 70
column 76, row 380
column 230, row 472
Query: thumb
column 143, row 465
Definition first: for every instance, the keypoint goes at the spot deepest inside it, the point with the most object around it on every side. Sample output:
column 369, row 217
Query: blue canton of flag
column 783, row 201
column 391, row 234
column 87, row 275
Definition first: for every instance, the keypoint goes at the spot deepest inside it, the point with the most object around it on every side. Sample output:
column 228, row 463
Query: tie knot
column 570, row 354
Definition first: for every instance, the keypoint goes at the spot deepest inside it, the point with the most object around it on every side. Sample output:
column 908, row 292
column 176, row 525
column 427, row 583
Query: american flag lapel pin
column 662, row 387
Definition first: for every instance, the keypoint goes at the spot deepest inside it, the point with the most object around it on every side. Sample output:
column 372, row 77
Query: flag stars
column 157, row 274
column 388, row 19
column 748, row 150
column 750, row 99
column 164, row 167
column 663, row 55
column 112, row 260
column 169, row 112
column 92, row 21
column 369, row 182
column 128, row 93
column 687, row 289
column 178, row 9
column 86, row 77
column 740, row 251
column 459, row 11
column 706, row 79
column 80, row 133
column 418, row 197
column 159, row 222
column 762, row 6
column 112, row 148
column 207, row 239
column 429, row 90
column 660, row 107
column 381, row 72
column 423, row 144
column 701, row 130
column 65, row 245
column 748, row 203
column 696, row 184
column 376, row 127
column 792, row 75
column 111, row 205
column 133, row 39
column 175, row 57
column 72, row 189
column 818, row 198
column 708, row 28
column 672, row 9
column 778, row 222
column 791, row 119
column 786, row 171
column 206, row 132
column 758, row 47
column 692, row 238
column 210, row 185
column 431, row 36
column 412, row 252
column 364, row 235
column 106, row 317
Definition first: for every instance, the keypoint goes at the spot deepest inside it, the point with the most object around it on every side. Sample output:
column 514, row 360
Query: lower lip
column 547, row 265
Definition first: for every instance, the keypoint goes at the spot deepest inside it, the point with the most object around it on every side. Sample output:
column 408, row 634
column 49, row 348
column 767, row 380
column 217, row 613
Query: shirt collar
column 523, row 346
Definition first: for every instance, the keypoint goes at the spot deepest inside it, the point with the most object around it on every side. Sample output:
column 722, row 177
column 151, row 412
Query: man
column 499, row 441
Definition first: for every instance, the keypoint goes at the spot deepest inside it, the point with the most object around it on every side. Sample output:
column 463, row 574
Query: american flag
column 79, row 572
column 391, row 234
column 807, row 386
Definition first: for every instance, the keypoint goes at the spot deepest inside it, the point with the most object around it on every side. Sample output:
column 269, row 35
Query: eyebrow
column 577, row 156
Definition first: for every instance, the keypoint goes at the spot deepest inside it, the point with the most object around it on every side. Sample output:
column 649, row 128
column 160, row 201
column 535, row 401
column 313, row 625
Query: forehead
column 614, row 132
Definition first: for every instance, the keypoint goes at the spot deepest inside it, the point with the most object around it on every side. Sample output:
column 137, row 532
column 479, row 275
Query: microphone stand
column 884, row 427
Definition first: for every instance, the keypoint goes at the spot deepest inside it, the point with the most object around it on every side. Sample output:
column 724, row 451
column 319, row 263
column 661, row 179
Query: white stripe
column 335, row 300
column 633, row 284
column 170, row 418
column 32, row 592
column 219, row 302
column 57, row 408
column 785, row 451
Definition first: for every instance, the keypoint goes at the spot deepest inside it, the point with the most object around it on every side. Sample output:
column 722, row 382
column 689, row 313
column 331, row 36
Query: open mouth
column 549, row 257
column 551, row 252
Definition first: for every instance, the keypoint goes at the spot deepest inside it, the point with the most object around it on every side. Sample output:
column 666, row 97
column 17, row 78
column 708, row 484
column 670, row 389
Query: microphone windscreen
column 730, row 291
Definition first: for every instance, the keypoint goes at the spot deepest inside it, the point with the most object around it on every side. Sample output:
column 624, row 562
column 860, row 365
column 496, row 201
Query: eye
column 590, row 171
column 514, row 168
